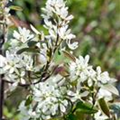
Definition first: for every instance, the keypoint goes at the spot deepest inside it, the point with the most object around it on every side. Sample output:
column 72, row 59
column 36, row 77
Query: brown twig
column 1, row 97
column 3, row 28
column 1, row 77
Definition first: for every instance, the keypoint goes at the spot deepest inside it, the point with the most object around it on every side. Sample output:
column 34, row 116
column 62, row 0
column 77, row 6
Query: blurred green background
column 96, row 24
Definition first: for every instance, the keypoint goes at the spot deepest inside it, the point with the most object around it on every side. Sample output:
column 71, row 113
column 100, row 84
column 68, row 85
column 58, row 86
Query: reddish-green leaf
column 68, row 55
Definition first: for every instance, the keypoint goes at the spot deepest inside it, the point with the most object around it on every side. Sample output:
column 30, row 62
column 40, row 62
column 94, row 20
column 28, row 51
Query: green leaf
column 80, row 116
column 111, row 89
column 28, row 100
column 104, row 107
column 27, row 50
column 71, row 117
column 17, row 8
column 6, row 45
column 86, row 108
column 32, row 43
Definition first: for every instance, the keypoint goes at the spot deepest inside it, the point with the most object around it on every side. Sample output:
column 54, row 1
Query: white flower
column 43, row 54
column 26, row 112
column 13, row 62
column 48, row 24
column 57, row 7
column 14, row 45
column 3, row 61
column 103, row 93
column 73, row 45
column 102, row 77
column 10, row 77
column 16, row 77
column 78, row 94
column 53, row 32
column 23, row 110
column 23, row 35
column 60, row 28
column 14, row 69
column 13, row 86
column 79, row 68
column 50, row 96
column 64, row 33
column 27, row 62
column 91, row 74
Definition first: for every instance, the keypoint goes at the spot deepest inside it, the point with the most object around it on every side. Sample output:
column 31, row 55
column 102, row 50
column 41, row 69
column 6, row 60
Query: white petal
column 73, row 45
column 62, row 108
column 34, row 29
column 71, row 93
column 84, row 94
column 13, row 86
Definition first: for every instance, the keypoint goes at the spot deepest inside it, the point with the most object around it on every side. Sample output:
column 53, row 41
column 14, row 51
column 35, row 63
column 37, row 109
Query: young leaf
column 17, row 8
column 32, row 43
column 61, row 70
column 68, row 55
column 86, row 108
column 28, row 101
column 104, row 107
column 27, row 50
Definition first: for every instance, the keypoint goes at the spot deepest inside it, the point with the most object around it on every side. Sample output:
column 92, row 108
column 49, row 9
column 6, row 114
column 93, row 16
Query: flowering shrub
column 70, row 90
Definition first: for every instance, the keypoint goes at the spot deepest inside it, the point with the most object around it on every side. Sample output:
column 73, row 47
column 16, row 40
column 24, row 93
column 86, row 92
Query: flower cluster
column 21, row 63
column 54, row 90
column 58, row 26
column 85, row 79
column 55, row 96
column 49, row 97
